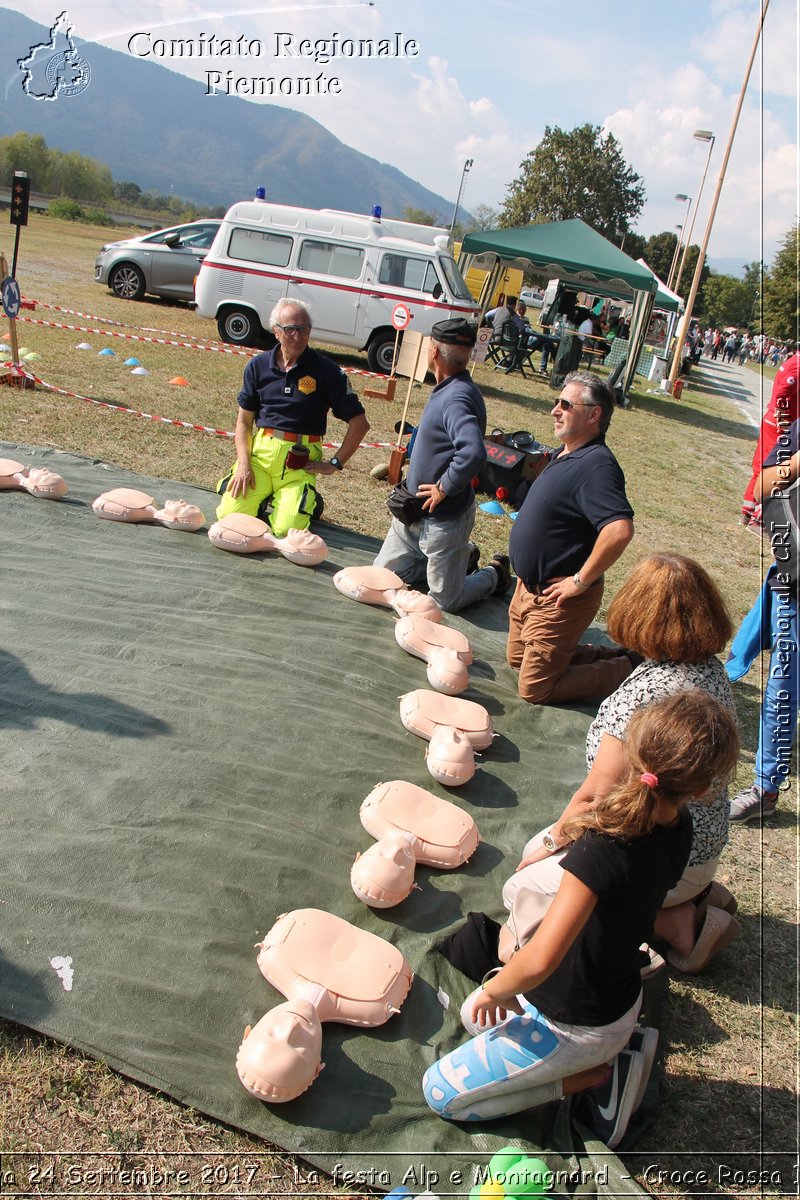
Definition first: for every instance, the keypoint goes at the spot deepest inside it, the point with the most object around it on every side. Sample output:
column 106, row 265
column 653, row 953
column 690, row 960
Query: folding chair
column 513, row 346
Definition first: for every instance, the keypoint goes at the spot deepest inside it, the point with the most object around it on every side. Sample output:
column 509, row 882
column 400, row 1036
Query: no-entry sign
column 401, row 316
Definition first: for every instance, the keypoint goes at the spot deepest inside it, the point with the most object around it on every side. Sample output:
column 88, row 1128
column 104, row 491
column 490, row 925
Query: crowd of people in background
column 735, row 345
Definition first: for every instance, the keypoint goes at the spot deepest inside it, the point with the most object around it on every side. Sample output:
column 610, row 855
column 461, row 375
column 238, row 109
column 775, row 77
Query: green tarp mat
column 187, row 736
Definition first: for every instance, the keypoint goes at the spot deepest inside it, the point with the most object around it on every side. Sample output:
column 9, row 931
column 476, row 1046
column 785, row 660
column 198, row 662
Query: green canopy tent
column 667, row 301
column 664, row 298
column 579, row 256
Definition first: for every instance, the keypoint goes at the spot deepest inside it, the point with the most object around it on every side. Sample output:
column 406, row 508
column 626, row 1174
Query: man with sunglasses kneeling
column 575, row 522
column 284, row 403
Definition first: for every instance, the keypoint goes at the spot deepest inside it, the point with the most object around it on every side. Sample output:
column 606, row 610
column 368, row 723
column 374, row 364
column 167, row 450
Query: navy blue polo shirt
column 298, row 400
column 575, row 496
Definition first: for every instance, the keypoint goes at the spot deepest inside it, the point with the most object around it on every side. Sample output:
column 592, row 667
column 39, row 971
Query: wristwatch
column 576, row 579
column 335, row 463
column 550, row 844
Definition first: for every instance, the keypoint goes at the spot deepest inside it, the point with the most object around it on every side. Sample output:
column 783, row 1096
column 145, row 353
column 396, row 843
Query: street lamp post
column 464, row 174
column 688, row 199
column 698, row 271
column 702, row 135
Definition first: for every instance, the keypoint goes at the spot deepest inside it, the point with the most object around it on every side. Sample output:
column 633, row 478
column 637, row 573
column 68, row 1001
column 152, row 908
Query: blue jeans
column 778, row 721
column 547, row 345
column 437, row 550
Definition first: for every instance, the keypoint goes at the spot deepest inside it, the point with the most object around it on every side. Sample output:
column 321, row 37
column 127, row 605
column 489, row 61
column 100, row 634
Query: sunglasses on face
column 568, row 404
column 294, row 329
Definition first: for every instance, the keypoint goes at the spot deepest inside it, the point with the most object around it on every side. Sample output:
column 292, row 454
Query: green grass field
column 730, row 1034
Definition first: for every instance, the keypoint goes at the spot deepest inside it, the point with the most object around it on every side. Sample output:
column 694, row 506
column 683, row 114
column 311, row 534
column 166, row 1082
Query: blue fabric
column 753, row 634
column 437, row 551
column 778, row 723
column 498, row 1054
column 449, row 447
column 298, row 400
column 576, row 496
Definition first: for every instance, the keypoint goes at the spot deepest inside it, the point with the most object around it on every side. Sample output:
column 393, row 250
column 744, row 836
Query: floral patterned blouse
column 652, row 681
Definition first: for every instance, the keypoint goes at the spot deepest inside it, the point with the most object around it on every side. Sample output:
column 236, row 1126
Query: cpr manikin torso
column 454, row 728
column 378, row 585
column 39, row 481
column 249, row 535
column 131, row 505
column 329, row 971
column 446, row 651
column 411, row 825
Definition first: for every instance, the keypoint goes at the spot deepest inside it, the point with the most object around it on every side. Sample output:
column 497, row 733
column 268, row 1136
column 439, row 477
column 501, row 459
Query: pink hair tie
column 648, row 778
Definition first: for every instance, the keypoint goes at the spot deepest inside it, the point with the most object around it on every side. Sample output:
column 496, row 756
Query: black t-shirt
column 598, row 979
column 298, row 400
column 575, row 496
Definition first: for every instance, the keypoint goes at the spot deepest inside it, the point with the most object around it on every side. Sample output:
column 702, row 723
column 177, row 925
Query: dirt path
column 748, row 391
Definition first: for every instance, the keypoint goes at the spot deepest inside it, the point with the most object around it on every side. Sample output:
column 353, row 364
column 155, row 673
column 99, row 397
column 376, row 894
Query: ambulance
column 351, row 270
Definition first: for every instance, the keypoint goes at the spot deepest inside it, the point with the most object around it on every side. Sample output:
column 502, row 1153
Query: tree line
column 79, row 177
column 570, row 173
column 582, row 173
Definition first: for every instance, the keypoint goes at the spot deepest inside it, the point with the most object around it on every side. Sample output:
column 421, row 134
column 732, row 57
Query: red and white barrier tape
column 133, row 337
column 73, row 312
column 187, row 341
column 135, row 412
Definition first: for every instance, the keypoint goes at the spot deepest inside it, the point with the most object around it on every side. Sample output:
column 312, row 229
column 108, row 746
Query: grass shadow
column 675, row 410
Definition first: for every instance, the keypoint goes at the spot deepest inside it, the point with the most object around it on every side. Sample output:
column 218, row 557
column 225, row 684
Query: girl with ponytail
column 558, row 1018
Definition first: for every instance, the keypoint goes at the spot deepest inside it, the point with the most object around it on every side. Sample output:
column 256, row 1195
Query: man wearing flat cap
column 448, row 453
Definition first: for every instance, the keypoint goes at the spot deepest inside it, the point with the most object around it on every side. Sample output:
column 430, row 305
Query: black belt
column 537, row 589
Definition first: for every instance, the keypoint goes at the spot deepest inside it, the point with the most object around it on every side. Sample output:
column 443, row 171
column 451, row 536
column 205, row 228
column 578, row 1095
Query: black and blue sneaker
column 607, row 1108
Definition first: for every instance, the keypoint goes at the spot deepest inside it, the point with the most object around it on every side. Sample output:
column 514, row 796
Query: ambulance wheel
column 380, row 352
column 239, row 326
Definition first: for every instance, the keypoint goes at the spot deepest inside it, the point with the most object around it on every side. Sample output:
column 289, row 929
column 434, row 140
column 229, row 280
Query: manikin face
column 579, row 422
column 285, row 1047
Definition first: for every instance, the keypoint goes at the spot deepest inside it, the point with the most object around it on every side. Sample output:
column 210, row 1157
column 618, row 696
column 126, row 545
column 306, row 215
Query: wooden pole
column 397, row 456
column 701, row 258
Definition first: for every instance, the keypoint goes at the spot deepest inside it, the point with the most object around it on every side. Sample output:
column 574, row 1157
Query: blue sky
column 487, row 78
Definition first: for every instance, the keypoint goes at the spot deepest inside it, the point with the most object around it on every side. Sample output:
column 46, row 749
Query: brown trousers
column 543, row 645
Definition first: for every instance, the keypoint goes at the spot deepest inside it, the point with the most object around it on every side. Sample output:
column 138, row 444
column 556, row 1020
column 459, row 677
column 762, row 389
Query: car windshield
column 455, row 280
column 196, row 236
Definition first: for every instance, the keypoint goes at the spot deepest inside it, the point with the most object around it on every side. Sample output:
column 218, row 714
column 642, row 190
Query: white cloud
column 758, row 201
column 727, row 44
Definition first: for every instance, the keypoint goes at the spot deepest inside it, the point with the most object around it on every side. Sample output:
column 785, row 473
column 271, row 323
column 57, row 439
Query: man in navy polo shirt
column 283, row 406
column 576, row 521
column 448, row 451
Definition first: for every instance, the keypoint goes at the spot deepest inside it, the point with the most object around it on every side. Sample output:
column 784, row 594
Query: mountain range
column 160, row 130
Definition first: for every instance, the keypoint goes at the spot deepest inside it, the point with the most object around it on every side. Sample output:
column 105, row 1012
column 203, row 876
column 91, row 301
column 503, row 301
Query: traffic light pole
column 20, row 195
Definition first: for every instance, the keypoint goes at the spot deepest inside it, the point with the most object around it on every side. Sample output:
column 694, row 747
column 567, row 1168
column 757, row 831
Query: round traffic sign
column 401, row 316
column 9, row 290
